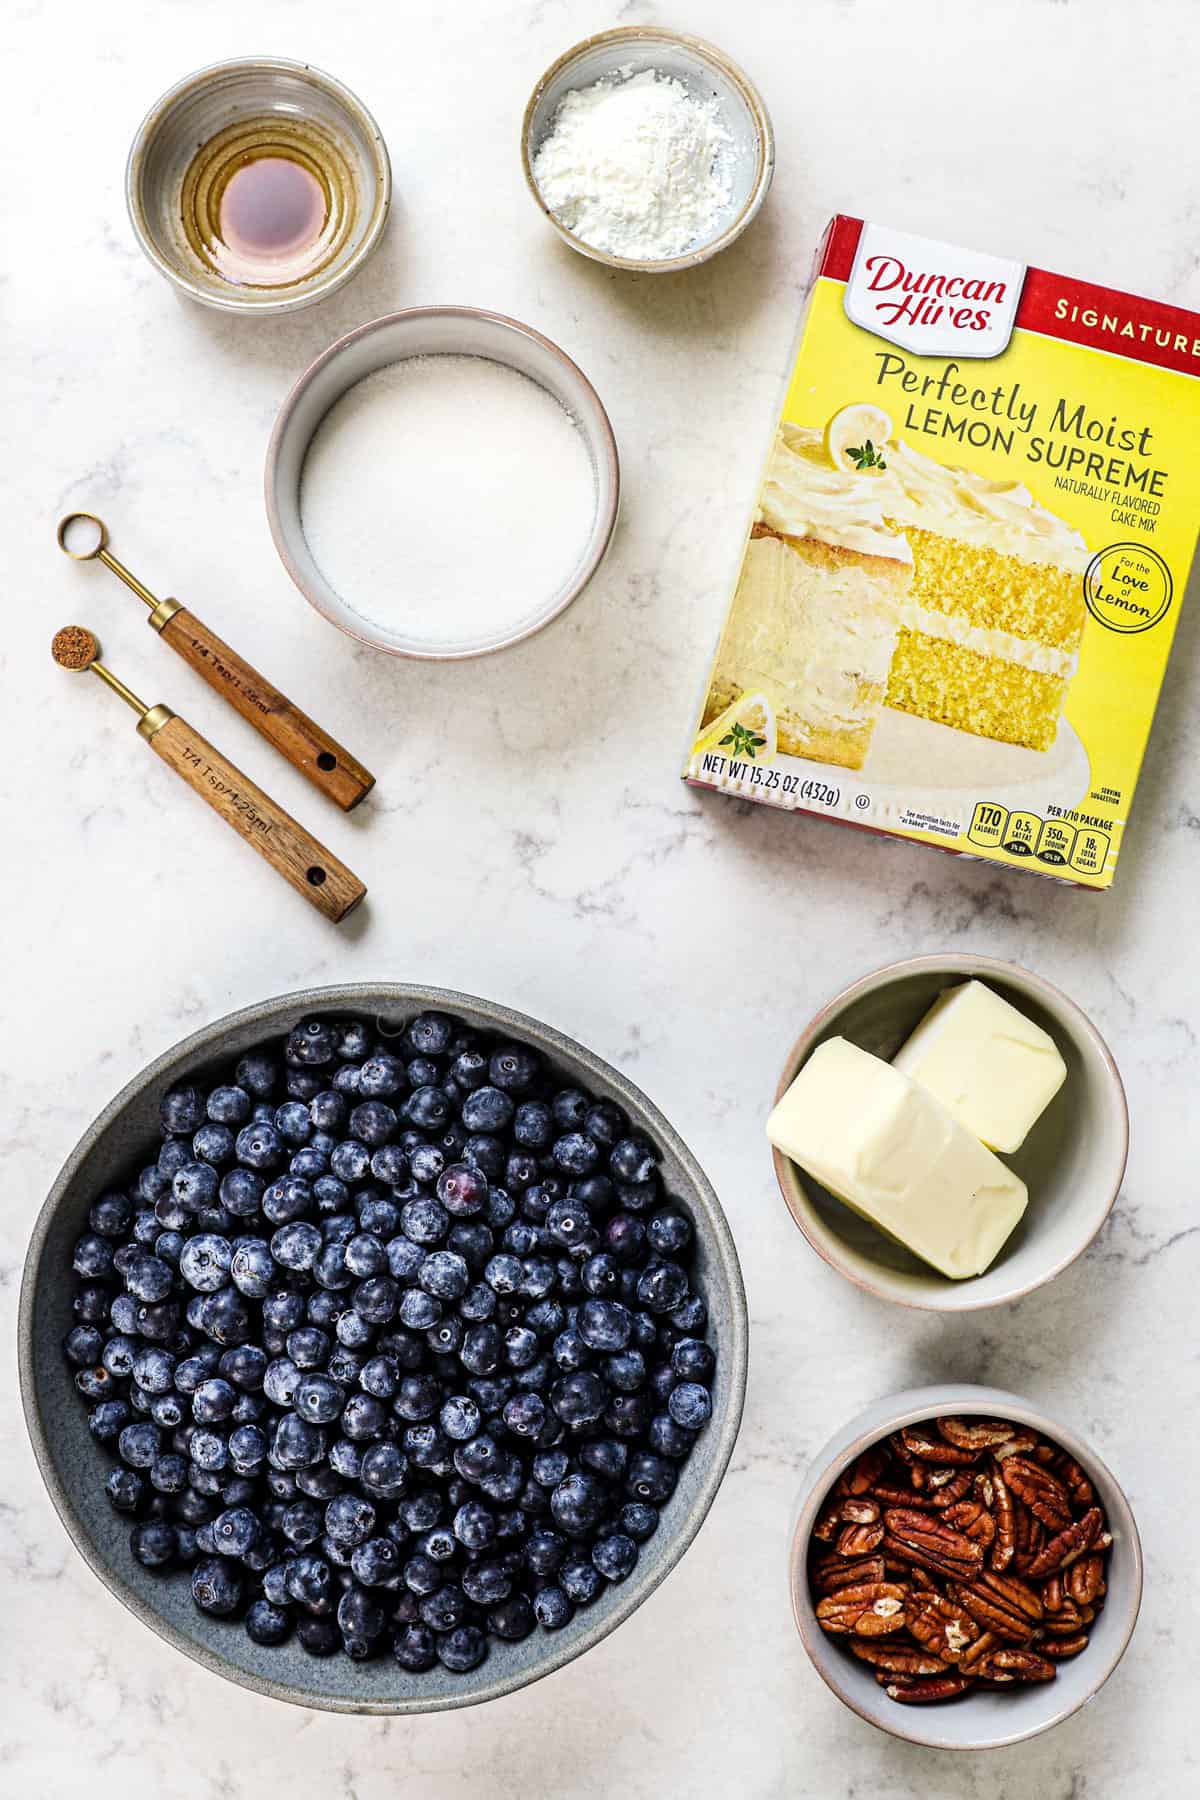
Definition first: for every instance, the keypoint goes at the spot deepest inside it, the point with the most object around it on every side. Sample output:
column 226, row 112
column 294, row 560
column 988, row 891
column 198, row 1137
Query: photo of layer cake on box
column 875, row 576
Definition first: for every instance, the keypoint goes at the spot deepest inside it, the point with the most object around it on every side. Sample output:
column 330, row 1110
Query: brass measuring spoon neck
column 160, row 610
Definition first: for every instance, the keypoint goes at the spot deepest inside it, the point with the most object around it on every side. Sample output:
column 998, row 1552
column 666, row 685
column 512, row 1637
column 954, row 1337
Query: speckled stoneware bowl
column 73, row 1465
column 980, row 1720
column 329, row 123
column 433, row 331
column 706, row 72
column 1072, row 1162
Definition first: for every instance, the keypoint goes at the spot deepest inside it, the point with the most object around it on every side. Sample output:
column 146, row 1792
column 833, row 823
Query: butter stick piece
column 889, row 1149
column 989, row 1065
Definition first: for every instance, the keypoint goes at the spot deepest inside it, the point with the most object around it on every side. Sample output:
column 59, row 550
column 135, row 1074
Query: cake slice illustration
column 876, row 577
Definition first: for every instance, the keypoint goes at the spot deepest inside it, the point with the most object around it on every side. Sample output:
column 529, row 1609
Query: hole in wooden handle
column 315, row 875
column 327, row 761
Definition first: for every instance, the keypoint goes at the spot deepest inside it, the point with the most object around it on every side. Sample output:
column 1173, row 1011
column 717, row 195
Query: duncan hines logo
column 932, row 298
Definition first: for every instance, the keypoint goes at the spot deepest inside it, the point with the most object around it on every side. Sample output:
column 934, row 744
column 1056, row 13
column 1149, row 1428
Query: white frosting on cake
column 806, row 495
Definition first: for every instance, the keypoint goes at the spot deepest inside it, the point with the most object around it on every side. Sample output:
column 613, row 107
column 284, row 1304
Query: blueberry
column 376, row 1562
column 462, row 1649
column 604, row 1325
column 83, row 1345
column 459, row 1418
column 425, row 1220
column 93, row 1257
column 568, row 1222
column 580, row 1580
column 318, row 1400
column 475, row 1525
column 311, row 1585
column 267, row 1624
column 428, row 1108
column 463, row 1189
column 415, row 1648
column 570, row 1109
column 182, row 1110
column 320, row 1637
column 662, row 1286
column 552, row 1609
column 578, row 1503
column 154, row 1370
column 349, row 1519
column 607, row 1457
column 296, row 1246
column 614, row 1556
column 139, row 1444
column 154, row 1543
column 108, row 1419
column 428, row 1034
column 209, row 1451
column 205, row 1261
column 361, row 1619
column 110, row 1215
column 575, row 1153
column 690, row 1405
column 217, row 1586
column 235, row 1531
column 311, row 1044
column 487, row 1109
column 125, row 1489
column 247, row 1448
column 601, row 1276
column 241, row 1192
column 296, row 1444
column 259, row 1145
column 148, row 1278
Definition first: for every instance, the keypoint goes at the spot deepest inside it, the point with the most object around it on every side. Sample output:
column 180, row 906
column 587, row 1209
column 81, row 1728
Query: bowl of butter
column 950, row 1132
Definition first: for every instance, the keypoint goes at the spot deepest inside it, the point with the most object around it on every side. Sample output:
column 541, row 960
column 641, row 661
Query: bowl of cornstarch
column 647, row 149
column 442, row 482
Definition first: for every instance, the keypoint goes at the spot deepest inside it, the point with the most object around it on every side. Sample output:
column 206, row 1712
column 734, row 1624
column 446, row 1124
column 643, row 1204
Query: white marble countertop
column 530, row 840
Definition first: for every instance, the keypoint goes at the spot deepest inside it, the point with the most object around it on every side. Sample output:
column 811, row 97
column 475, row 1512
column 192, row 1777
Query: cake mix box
column 966, row 557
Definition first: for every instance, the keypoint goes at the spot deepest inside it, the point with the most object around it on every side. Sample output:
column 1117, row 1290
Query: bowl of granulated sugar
column 647, row 149
column 442, row 482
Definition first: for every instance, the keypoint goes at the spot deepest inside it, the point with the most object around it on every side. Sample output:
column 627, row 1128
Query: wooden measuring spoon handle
column 327, row 764
column 325, row 882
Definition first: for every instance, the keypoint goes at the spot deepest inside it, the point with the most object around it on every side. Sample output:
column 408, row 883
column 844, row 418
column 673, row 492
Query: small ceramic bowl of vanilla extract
column 258, row 185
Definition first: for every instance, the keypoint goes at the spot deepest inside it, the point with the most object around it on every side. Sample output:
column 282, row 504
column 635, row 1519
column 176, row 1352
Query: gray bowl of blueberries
column 382, row 1349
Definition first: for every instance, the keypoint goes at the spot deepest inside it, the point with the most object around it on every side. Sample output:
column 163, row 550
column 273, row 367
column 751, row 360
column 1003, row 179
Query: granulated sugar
column 447, row 499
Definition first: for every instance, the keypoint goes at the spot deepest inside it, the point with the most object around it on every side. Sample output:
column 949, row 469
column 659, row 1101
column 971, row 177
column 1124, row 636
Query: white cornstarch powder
column 638, row 167
column 447, row 499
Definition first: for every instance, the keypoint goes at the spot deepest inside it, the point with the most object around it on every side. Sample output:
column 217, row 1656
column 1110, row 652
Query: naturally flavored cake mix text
column 962, row 575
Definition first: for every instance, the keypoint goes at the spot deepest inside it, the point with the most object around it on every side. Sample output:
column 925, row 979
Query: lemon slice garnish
column 744, row 731
column 855, row 438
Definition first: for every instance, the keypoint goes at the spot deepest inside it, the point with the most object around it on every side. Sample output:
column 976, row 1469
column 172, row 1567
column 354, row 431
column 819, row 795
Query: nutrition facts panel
column 1056, row 842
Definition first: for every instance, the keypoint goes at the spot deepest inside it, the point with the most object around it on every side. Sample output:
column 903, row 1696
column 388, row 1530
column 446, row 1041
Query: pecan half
column 1002, row 1604
column 833, row 1571
column 1021, row 1665
column 1067, row 1545
column 972, row 1519
column 1042, row 1492
column 869, row 1609
column 864, row 1471
column 975, row 1434
column 1085, row 1582
column 927, row 1688
column 1082, row 1493
column 859, row 1540
column 931, row 1542
column 927, row 1447
column 948, row 1486
column 896, row 1659
column 1021, row 1442
column 1005, row 1541
column 941, row 1626
column 1061, row 1648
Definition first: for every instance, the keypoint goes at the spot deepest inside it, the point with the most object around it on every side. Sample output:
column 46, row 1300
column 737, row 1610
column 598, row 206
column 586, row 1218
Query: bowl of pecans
column 965, row 1571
